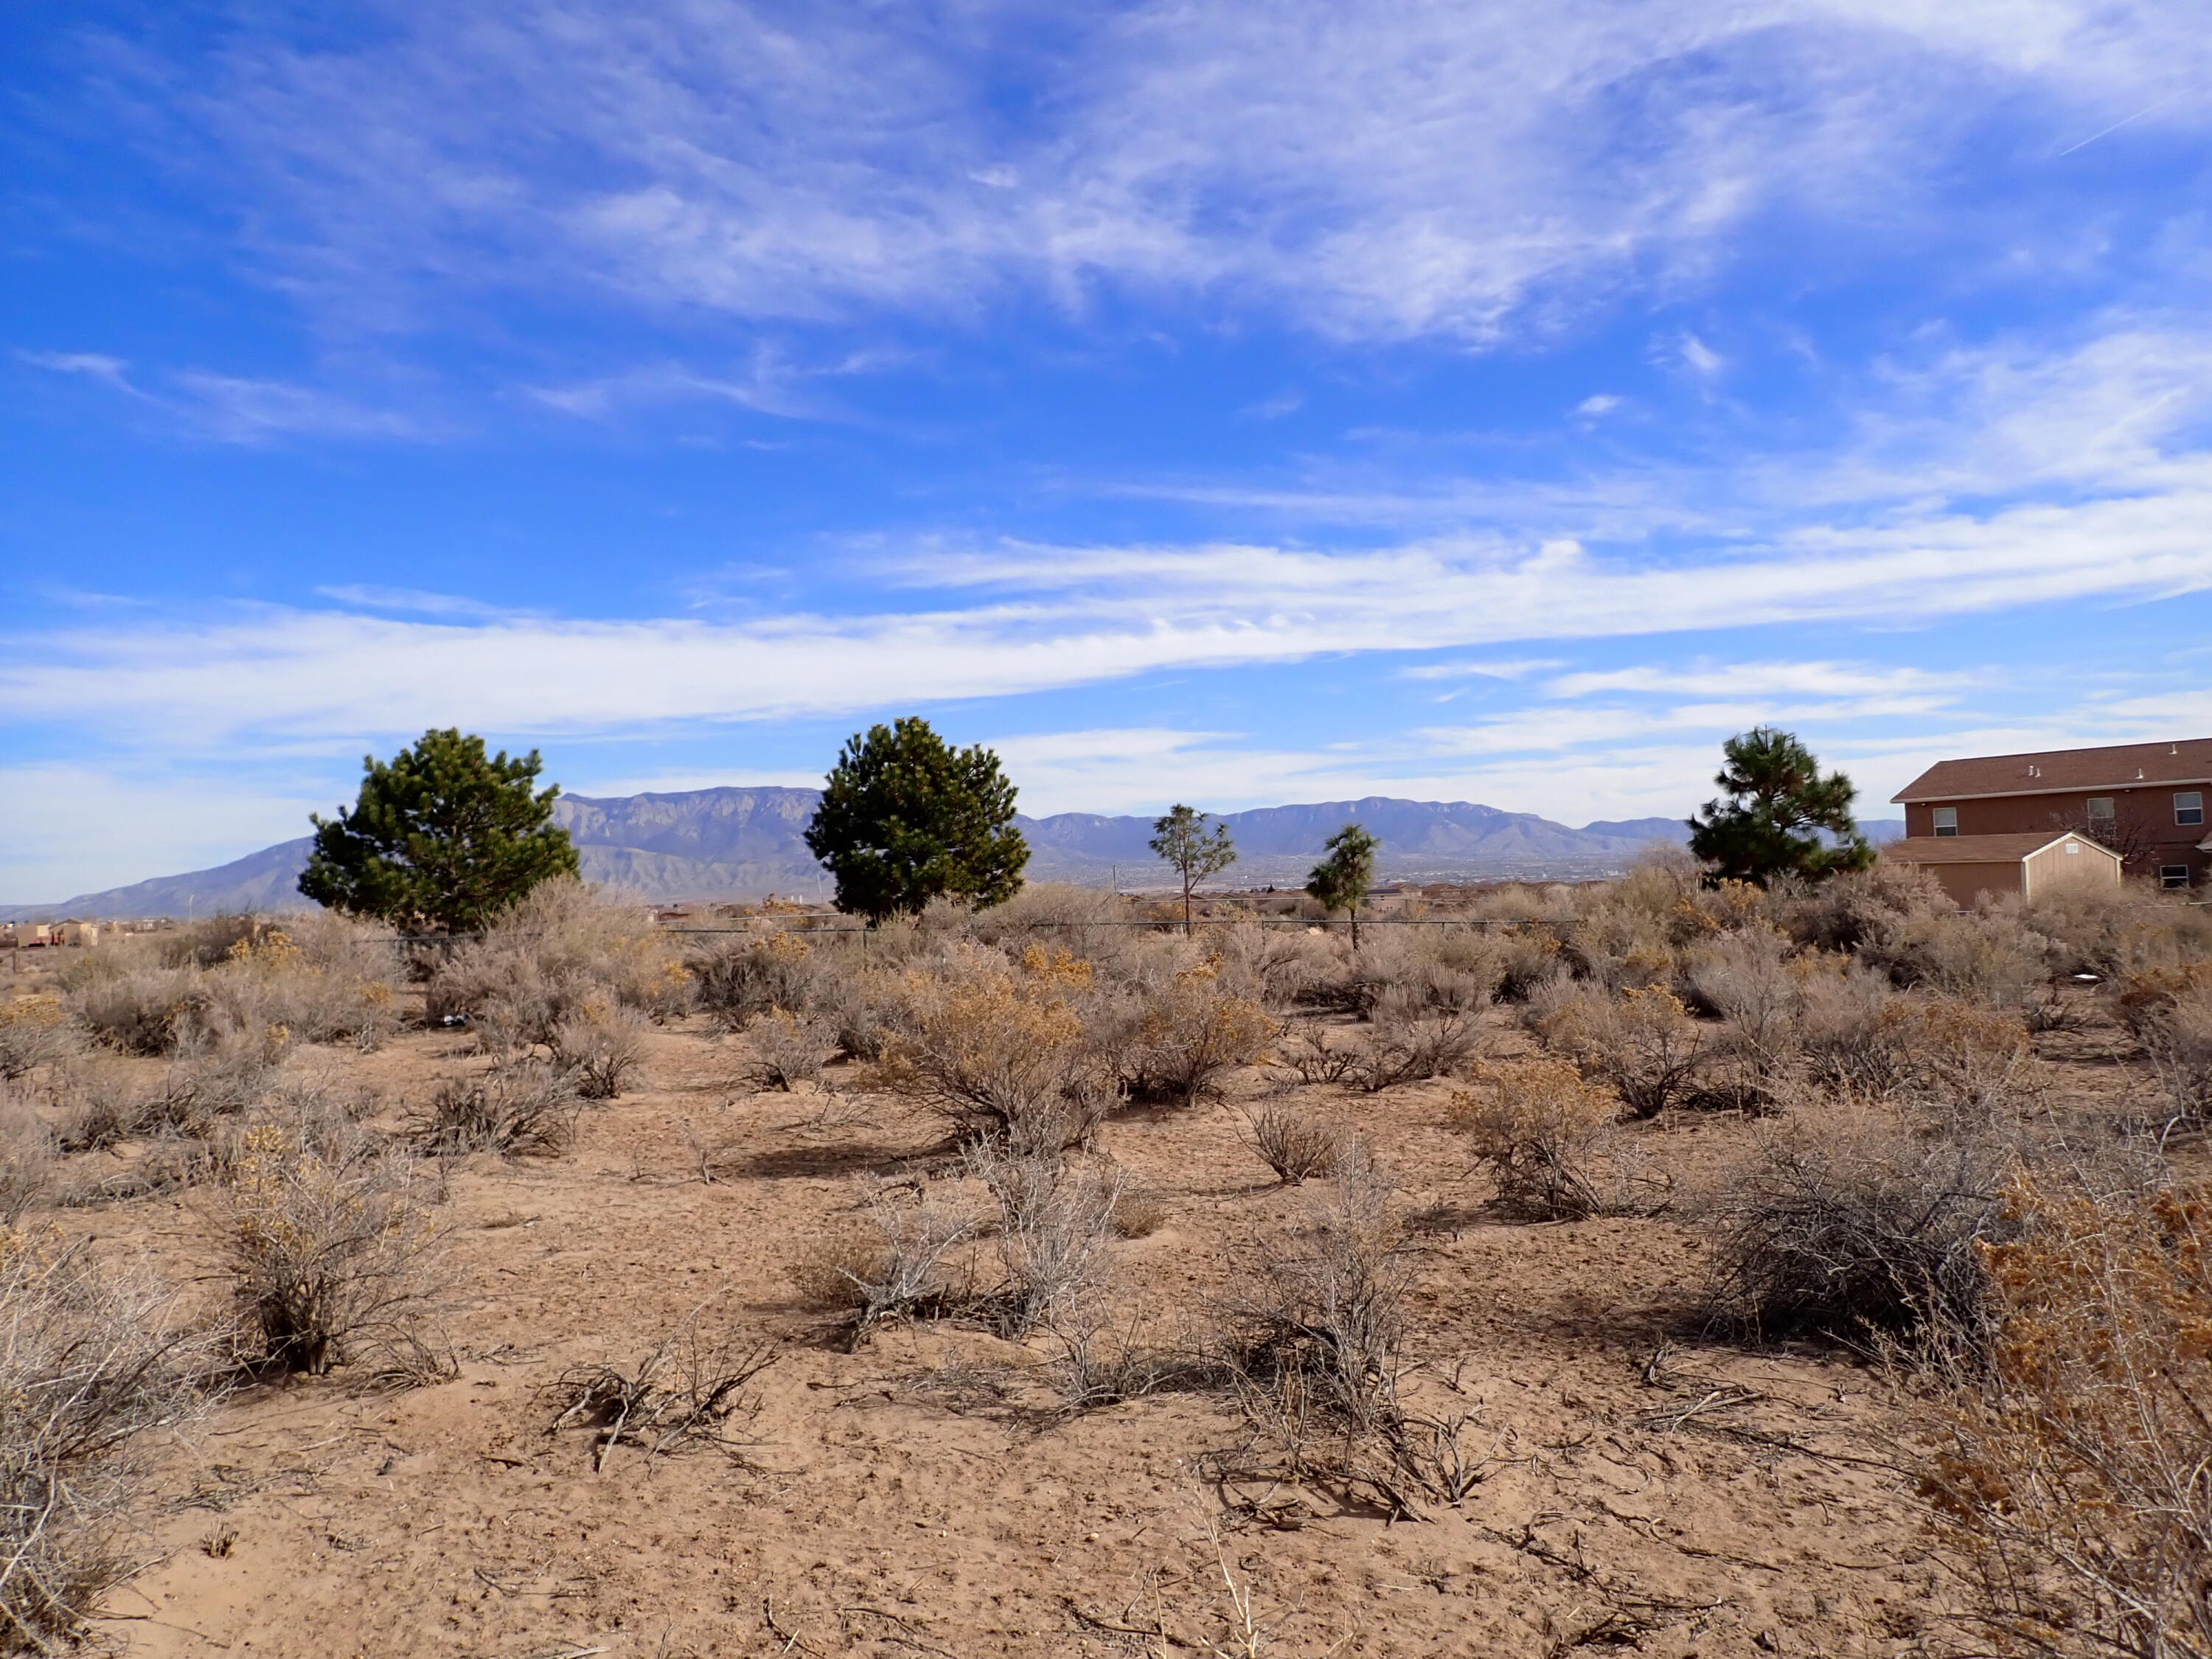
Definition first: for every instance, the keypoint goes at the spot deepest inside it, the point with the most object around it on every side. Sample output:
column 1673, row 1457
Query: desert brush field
column 1631, row 1268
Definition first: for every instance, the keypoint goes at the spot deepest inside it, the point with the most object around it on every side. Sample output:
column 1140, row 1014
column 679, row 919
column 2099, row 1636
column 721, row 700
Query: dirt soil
column 1638, row 1485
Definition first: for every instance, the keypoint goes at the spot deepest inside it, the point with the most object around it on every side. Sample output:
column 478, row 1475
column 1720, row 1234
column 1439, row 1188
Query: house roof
column 1982, row 850
column 2064, row 771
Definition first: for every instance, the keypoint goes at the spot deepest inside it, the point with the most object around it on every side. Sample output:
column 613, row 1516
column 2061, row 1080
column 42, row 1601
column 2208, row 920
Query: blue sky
column 1241, row 403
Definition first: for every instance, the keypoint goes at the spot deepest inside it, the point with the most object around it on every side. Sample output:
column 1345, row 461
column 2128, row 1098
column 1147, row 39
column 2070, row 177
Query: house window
column 2100, row 811
column 2189, row 808
column 2173, row 875
column 1947, row 820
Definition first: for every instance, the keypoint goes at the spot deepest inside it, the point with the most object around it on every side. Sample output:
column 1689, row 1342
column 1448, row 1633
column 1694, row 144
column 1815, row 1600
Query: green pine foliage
column 1775, row 798
column 442, row 838
column 1180, row 837
column 1340, row 881
column 906, row 819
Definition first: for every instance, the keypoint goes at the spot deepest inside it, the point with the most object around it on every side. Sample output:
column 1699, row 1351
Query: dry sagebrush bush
column 897, row 1262
column 1055, row 1236
column 1982, row 955
column 1642, row 1044
column 790, row 1049
column 1547, row 1138
column 1187, row 1034
column 2179, row 1040
column 27, row 1149
column 138, row 1010
column 88, row 1362
column 737, row 980
column 1849, row 1219
column 1295, row 1147
column 522, row 1109
column 999, row 1051
column 1323, row 1331
column 559, row 950
column 328, row 1252
column 601, row 1049
column 691, row 1391
column 2073, row 1485
column 33, row 1033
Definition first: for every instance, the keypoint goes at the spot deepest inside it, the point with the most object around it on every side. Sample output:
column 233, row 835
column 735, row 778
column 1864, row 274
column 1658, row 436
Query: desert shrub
column 1849, row 908
column 1642, row 1044
column 1056, row 915
column 1322, row 1331
column 1528, row 956
column 328, row 1253
column 89, row 1362
column 1853, row 1030
column 1296, row 1147
column 1746, row 976
column 101, row 1106
column 998, row 1050
column 1849, row 1220
column 204, row 942
column 559, row 951
column 2150, row 994
column 139, row 1010
column 33, row 1033
column 2072, row 1485
column 1187, row 1034
column 26, row 1157
column 602, row 1048
column 1978, row 956
column 897, row 1263
column 737, row 980
column 2179, row 1040
column 97, row 1107
column 1546, row 1137
column 324, row 979
column 1138, row 1211
column 688, row 1391
column 1280, row 966
column 2112, row 933
column 1055, row 1233
column 789, row 1049
column 1312, row 1055
column 1408, row 1043
column 1965, row 1059
column 522, row 1108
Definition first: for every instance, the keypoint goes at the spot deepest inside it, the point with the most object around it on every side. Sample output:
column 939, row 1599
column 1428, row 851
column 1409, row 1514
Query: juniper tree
column 442, row 837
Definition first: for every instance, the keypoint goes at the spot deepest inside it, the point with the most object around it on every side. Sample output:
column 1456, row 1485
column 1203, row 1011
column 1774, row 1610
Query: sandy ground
column 1644, row 1488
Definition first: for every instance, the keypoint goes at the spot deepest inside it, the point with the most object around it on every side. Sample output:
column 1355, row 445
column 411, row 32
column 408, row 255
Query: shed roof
column 2064, row 771
column 1982, row 849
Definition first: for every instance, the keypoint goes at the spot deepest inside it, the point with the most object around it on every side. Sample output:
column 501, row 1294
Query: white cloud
column 1436, row 168
column 1598, row 404
column 1081, row 616
column 1827, row 679
column 239, row 410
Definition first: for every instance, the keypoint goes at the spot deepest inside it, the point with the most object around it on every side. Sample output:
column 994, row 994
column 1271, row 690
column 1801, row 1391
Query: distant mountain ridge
column 745, row 843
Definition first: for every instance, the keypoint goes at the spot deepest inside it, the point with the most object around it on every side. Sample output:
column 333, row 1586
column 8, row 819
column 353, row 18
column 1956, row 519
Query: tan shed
column 1967, row 867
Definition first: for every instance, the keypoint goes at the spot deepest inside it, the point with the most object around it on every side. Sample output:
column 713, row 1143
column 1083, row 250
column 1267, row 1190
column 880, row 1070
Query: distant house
column 1967, row 867
column 2146, row 800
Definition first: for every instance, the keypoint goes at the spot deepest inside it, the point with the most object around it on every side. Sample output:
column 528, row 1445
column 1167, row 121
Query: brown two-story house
column 2145, row 801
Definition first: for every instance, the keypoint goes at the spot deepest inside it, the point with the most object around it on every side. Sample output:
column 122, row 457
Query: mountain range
column 745, row 844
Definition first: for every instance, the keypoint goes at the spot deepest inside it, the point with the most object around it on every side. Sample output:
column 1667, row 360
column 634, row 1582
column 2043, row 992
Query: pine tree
column 906, row 819
column 1342, row 880
column 443, row 838
column 1775, row 797
column 1180, row 837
